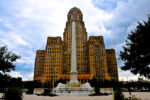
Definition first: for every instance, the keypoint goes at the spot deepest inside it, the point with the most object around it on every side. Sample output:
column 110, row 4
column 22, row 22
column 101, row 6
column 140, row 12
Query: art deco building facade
column 93, row 59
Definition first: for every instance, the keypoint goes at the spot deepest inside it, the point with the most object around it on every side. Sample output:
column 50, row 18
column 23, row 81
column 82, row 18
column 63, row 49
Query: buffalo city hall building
column 93, row 59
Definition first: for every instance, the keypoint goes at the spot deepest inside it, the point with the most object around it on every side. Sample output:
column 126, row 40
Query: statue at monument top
column 75, row 14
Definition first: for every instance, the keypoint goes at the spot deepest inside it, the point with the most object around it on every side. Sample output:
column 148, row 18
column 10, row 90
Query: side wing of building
column 39, row 65
column 53, row 59
column 97, row 58
column 112, row 64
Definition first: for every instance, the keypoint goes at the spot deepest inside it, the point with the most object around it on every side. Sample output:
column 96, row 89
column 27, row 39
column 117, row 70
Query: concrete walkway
column 142, row 95
column 33, row 97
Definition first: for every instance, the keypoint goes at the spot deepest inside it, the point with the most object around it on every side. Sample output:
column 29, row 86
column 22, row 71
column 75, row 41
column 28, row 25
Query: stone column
column 73, row 72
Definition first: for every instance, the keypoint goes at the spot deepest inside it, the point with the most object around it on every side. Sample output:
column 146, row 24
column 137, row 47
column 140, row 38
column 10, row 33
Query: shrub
column 13, row 94
column 118, row 95
column 30, row 91
column 96, row 90
column 46, row 92
column 51, row 94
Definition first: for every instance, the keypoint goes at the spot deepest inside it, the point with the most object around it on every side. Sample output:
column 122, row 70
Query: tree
column 48, row 84
column 60, row 81
column 13, row 94
column 6, row 60
column 93, row 82
column 136, row 52
column 6, row 65
column 32, row 84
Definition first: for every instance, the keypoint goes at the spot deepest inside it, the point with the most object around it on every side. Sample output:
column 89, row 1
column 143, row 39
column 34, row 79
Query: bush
column 118, row 95
column 13, row 94
column 51, row 94
column 46, row 92
column 30, row 91
column 96, row 90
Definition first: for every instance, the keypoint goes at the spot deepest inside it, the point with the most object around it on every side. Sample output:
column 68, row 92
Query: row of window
column 56, row 65
column 52, row 76
column 40, row 53
column 54, row 51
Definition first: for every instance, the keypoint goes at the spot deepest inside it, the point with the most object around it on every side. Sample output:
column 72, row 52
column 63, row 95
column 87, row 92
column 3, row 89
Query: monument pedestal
column 73, row 77
column 70, row 90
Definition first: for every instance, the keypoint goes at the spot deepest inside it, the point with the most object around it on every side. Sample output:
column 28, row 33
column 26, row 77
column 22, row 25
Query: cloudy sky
column 26, row 24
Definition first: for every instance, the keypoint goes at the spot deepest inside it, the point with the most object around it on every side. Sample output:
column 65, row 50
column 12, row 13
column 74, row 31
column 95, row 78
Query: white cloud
column 28, row 76
column 25, row 76
column 127, row 76
column 25, row 59
column 51, row 17
column 18, row 40
column 32, row 21
column 1, row 19
column 118, row 47
column 15, row 74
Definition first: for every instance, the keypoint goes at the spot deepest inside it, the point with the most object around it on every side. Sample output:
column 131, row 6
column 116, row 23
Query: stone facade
column 111, row 64
column 97, row 58
column 39, row 65
column 93, row 59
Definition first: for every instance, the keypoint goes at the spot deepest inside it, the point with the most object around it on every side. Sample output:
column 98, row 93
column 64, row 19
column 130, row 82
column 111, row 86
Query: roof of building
column 74, row 8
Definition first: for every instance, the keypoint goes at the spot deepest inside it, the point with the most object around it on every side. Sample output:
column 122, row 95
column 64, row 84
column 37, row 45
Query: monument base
column 73, row 90
column 74, row 80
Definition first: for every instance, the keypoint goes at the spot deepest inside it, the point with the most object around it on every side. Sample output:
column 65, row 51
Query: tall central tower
column 75, row 15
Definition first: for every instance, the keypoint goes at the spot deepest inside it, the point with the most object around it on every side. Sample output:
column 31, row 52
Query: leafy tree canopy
column 6, row 60
column 136, row 52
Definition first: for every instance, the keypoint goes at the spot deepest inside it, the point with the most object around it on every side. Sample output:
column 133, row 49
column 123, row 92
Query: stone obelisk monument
column 73, row 72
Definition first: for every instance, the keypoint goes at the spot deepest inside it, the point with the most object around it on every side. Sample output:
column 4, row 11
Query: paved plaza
column 33, row 97
column 142, row 95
